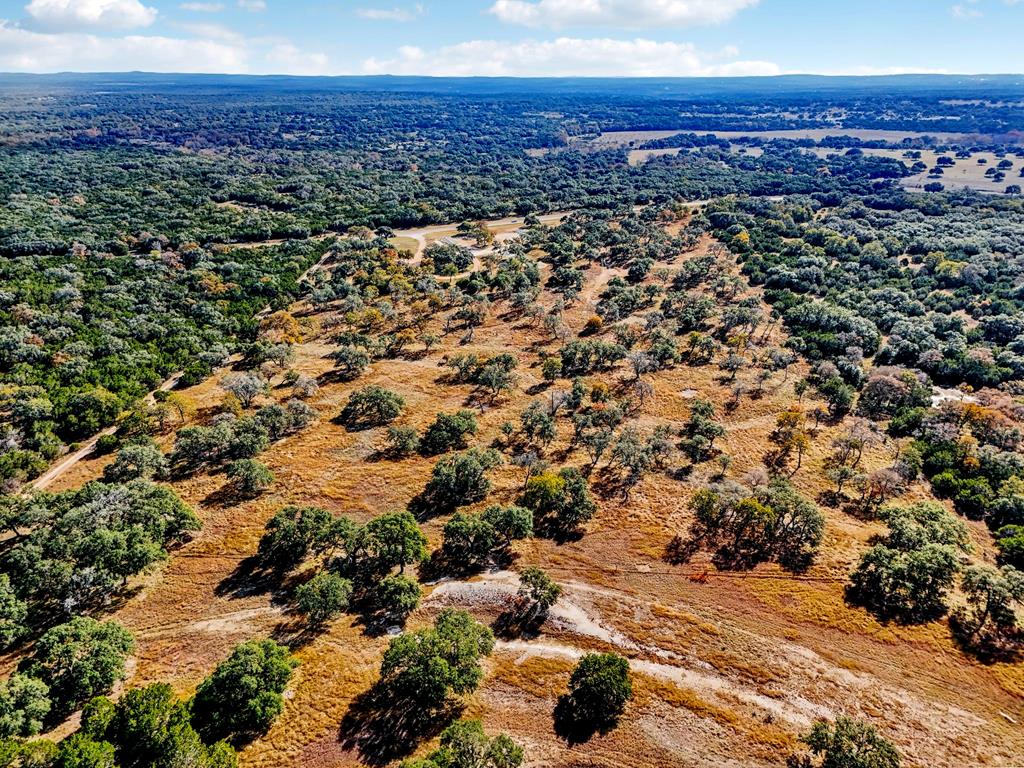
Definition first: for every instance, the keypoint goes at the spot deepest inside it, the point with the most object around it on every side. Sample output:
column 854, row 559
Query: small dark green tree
column 324, row 597
column 448, row 433
column 371, row 406
column 848, row 743
column 599, row 689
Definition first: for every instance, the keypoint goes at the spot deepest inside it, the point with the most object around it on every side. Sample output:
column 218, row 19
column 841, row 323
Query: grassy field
column 728, row 670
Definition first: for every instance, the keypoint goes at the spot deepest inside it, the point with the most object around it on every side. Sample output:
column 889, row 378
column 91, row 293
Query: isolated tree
column 459, row 479
column 395, row 540
column 242, row 696
column 468, row 540
column 137, row 460
column 81, row 659
column 993, row 599
column 291, row 534
column 448, row 432
column 465, row 745
column 539, row 590
column 431, row 664
column 396, row 596
column 371, row 406
column 849, row 743
column 324, row 597
column 510, row 523
column 599, row 689
column 402, row 442
column 246, row 386
column 560, row 500
column 908, row 573
column 249, row 477
column 350, row 361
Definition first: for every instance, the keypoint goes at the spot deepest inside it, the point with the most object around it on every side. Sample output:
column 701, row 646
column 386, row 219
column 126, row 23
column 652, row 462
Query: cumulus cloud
column 79, row 14
column 217, row 50
column 566, row 57
column 618, row 13
column 391, row 14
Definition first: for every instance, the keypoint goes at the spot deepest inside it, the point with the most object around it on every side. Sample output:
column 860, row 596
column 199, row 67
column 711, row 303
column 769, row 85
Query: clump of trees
column 907, row 574
column 353, row 564
column 77, row 549
column 561, row 501
column 745, row 527
column 448, row 432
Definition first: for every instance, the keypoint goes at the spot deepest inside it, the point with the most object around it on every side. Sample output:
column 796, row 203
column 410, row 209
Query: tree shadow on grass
column 574, row 728
column 252, row 577
column 382, row 726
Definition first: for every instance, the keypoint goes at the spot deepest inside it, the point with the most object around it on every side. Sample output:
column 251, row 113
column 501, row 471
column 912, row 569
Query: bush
column 465, row 745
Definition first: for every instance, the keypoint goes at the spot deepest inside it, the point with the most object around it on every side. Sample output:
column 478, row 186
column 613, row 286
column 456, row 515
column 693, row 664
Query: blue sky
column 514, row 37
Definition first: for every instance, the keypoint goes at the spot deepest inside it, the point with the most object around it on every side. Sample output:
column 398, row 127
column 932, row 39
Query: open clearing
column 727, row 671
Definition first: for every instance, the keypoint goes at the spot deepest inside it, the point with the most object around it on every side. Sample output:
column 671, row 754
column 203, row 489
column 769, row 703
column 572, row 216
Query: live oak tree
column 324, row 597
column 242, row 697
column 847, row 743
column 429, row 665
column 81, row 659
column 599, row 689
column 465, row 745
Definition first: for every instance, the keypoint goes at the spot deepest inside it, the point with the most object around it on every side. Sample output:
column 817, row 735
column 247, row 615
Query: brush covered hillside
column 668, row 485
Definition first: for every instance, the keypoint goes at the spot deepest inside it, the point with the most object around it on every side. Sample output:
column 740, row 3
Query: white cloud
column 253, row 6
column 619, row 13
column 202, row 7
column 966, row 10
column 566, row 57
column 391, row 14
column 79, row 14
column 216, row 49
column 211, row 31
column 23, row 50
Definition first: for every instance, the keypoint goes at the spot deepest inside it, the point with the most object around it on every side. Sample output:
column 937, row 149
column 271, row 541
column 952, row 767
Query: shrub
column 599, row 689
